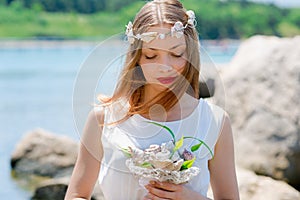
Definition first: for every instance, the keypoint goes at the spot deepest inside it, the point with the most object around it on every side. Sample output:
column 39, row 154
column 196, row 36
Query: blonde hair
column 131, row 82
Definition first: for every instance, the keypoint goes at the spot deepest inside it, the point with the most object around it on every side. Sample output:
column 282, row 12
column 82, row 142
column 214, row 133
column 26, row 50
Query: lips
column 166, row 80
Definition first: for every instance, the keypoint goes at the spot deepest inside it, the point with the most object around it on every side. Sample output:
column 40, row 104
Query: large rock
column 44, row 154
column 51, row 189
column 263, row 95
column 56, row 189
column 254, row 187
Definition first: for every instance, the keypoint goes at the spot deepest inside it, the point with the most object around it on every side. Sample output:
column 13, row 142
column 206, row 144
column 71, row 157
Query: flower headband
column 176, row 30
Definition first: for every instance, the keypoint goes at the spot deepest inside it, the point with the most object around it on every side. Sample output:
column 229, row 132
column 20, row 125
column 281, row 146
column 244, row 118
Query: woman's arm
column 222, row 167
column 90, row 154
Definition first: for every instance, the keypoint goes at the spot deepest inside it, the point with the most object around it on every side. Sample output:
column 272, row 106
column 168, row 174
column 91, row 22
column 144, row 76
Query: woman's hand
column 165, row 190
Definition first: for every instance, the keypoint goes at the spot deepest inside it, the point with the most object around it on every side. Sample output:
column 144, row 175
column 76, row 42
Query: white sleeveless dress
column 115, row 180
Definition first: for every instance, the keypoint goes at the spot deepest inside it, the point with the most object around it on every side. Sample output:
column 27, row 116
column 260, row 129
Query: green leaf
column 196, row 147
column 126, row 152
column 146, row 165
column 201, row 142
column 178, row 144
column 188, row 164
column 165, row 127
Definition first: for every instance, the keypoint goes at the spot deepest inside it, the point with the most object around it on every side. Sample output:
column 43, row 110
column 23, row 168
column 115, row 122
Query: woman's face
column 163, row 60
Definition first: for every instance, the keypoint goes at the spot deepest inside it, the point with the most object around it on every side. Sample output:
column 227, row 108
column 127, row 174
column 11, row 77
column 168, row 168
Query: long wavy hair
column 131, row 84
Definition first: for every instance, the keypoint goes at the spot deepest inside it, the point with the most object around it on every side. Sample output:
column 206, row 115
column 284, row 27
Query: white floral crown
column 176, row 30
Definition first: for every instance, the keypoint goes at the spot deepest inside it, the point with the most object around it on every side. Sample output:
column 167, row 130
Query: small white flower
column 177, row 29
column 130, row 39
column 129, row 27
column 138, row 36
column 129, row 32
column 192, row 17
column 178, row 26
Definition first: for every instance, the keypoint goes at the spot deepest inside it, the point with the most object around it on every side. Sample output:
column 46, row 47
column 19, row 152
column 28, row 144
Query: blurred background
column 44, row 42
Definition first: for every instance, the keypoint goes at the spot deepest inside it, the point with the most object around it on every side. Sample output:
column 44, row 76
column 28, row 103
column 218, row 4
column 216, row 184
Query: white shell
column 163, row 155
column 162, row 168
column 176, row 177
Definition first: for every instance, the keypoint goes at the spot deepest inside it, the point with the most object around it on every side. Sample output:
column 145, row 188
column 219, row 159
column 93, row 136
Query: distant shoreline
column 31, row 43
column 41, row 43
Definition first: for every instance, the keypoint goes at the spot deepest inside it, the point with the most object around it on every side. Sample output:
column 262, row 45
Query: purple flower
column 187, row 155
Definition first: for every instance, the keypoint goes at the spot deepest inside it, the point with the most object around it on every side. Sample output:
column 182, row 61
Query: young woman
column 159, row 83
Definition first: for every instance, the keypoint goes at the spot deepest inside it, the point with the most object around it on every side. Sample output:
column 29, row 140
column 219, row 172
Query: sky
column 282, row 3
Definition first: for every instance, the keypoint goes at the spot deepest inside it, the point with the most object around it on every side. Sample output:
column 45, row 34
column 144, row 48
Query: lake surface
column 36, row 90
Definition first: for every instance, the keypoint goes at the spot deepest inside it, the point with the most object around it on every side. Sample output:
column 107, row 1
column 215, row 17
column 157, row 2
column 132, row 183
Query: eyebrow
column 174, row 47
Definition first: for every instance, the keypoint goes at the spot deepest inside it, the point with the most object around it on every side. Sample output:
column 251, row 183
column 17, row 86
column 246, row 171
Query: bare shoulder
column 97, row 114
column 92, row 132
column 90, row 154
column 226, row 124
column 225, row 139
column 222, row 167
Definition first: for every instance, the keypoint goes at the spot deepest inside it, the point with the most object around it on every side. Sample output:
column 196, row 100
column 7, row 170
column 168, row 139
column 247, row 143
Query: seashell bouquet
column 165, row 162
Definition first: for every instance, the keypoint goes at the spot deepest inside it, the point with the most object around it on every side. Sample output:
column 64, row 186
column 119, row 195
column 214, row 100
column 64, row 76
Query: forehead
column 164, row 44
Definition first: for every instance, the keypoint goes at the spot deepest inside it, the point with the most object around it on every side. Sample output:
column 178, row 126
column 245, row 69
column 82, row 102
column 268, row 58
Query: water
column 36, row 87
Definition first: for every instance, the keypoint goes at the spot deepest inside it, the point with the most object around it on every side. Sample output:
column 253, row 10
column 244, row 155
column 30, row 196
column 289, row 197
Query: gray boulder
column 44, row 154
column 56, row 189
column 262, row 86
column 255, row 187
column 51, row 189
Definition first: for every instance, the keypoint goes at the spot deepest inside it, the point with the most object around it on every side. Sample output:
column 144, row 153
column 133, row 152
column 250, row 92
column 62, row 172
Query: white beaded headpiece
column 176, row 30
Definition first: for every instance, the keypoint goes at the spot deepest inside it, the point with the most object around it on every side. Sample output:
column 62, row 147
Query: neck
column 185, row 105
column 150, row 93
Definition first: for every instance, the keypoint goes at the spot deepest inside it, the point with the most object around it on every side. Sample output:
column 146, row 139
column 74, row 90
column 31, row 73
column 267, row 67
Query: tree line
column 216, row 19
column 80, row 6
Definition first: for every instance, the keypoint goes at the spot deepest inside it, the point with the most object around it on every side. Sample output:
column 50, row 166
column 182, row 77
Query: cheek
column 179, row 64
column 148, row 70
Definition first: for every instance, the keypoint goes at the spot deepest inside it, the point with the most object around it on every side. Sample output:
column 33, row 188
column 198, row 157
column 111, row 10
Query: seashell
column 137, row 155
column 161, row 164
column 163, row 155
column 175, row 156
column 153, row 148
column 170, row 145
column 136, row 152
column 175, row 166
column 148, row 37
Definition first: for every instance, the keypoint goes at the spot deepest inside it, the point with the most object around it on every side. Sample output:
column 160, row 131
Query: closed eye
column 150, row 57
column 177, row 55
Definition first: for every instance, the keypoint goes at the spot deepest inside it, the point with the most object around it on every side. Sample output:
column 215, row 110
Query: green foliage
column 294, row 16
column 234, row 19
column 178, row 144
column 81, row 6
column 196, row 147
column 147, row 165
column 92, row 18
column 188, row 164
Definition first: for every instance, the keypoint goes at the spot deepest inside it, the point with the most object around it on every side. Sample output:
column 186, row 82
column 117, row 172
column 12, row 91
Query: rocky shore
column 262, row 87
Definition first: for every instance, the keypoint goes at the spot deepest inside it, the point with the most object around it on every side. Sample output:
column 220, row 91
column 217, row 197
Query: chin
column 162, row 87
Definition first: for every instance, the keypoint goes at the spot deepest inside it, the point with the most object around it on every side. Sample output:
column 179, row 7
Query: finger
column 147, row 197
column 153, row 197
column 157, row 192
column 166, row 186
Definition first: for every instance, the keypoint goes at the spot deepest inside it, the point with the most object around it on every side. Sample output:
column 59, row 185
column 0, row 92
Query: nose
column 165, row 68
column 164, row 64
